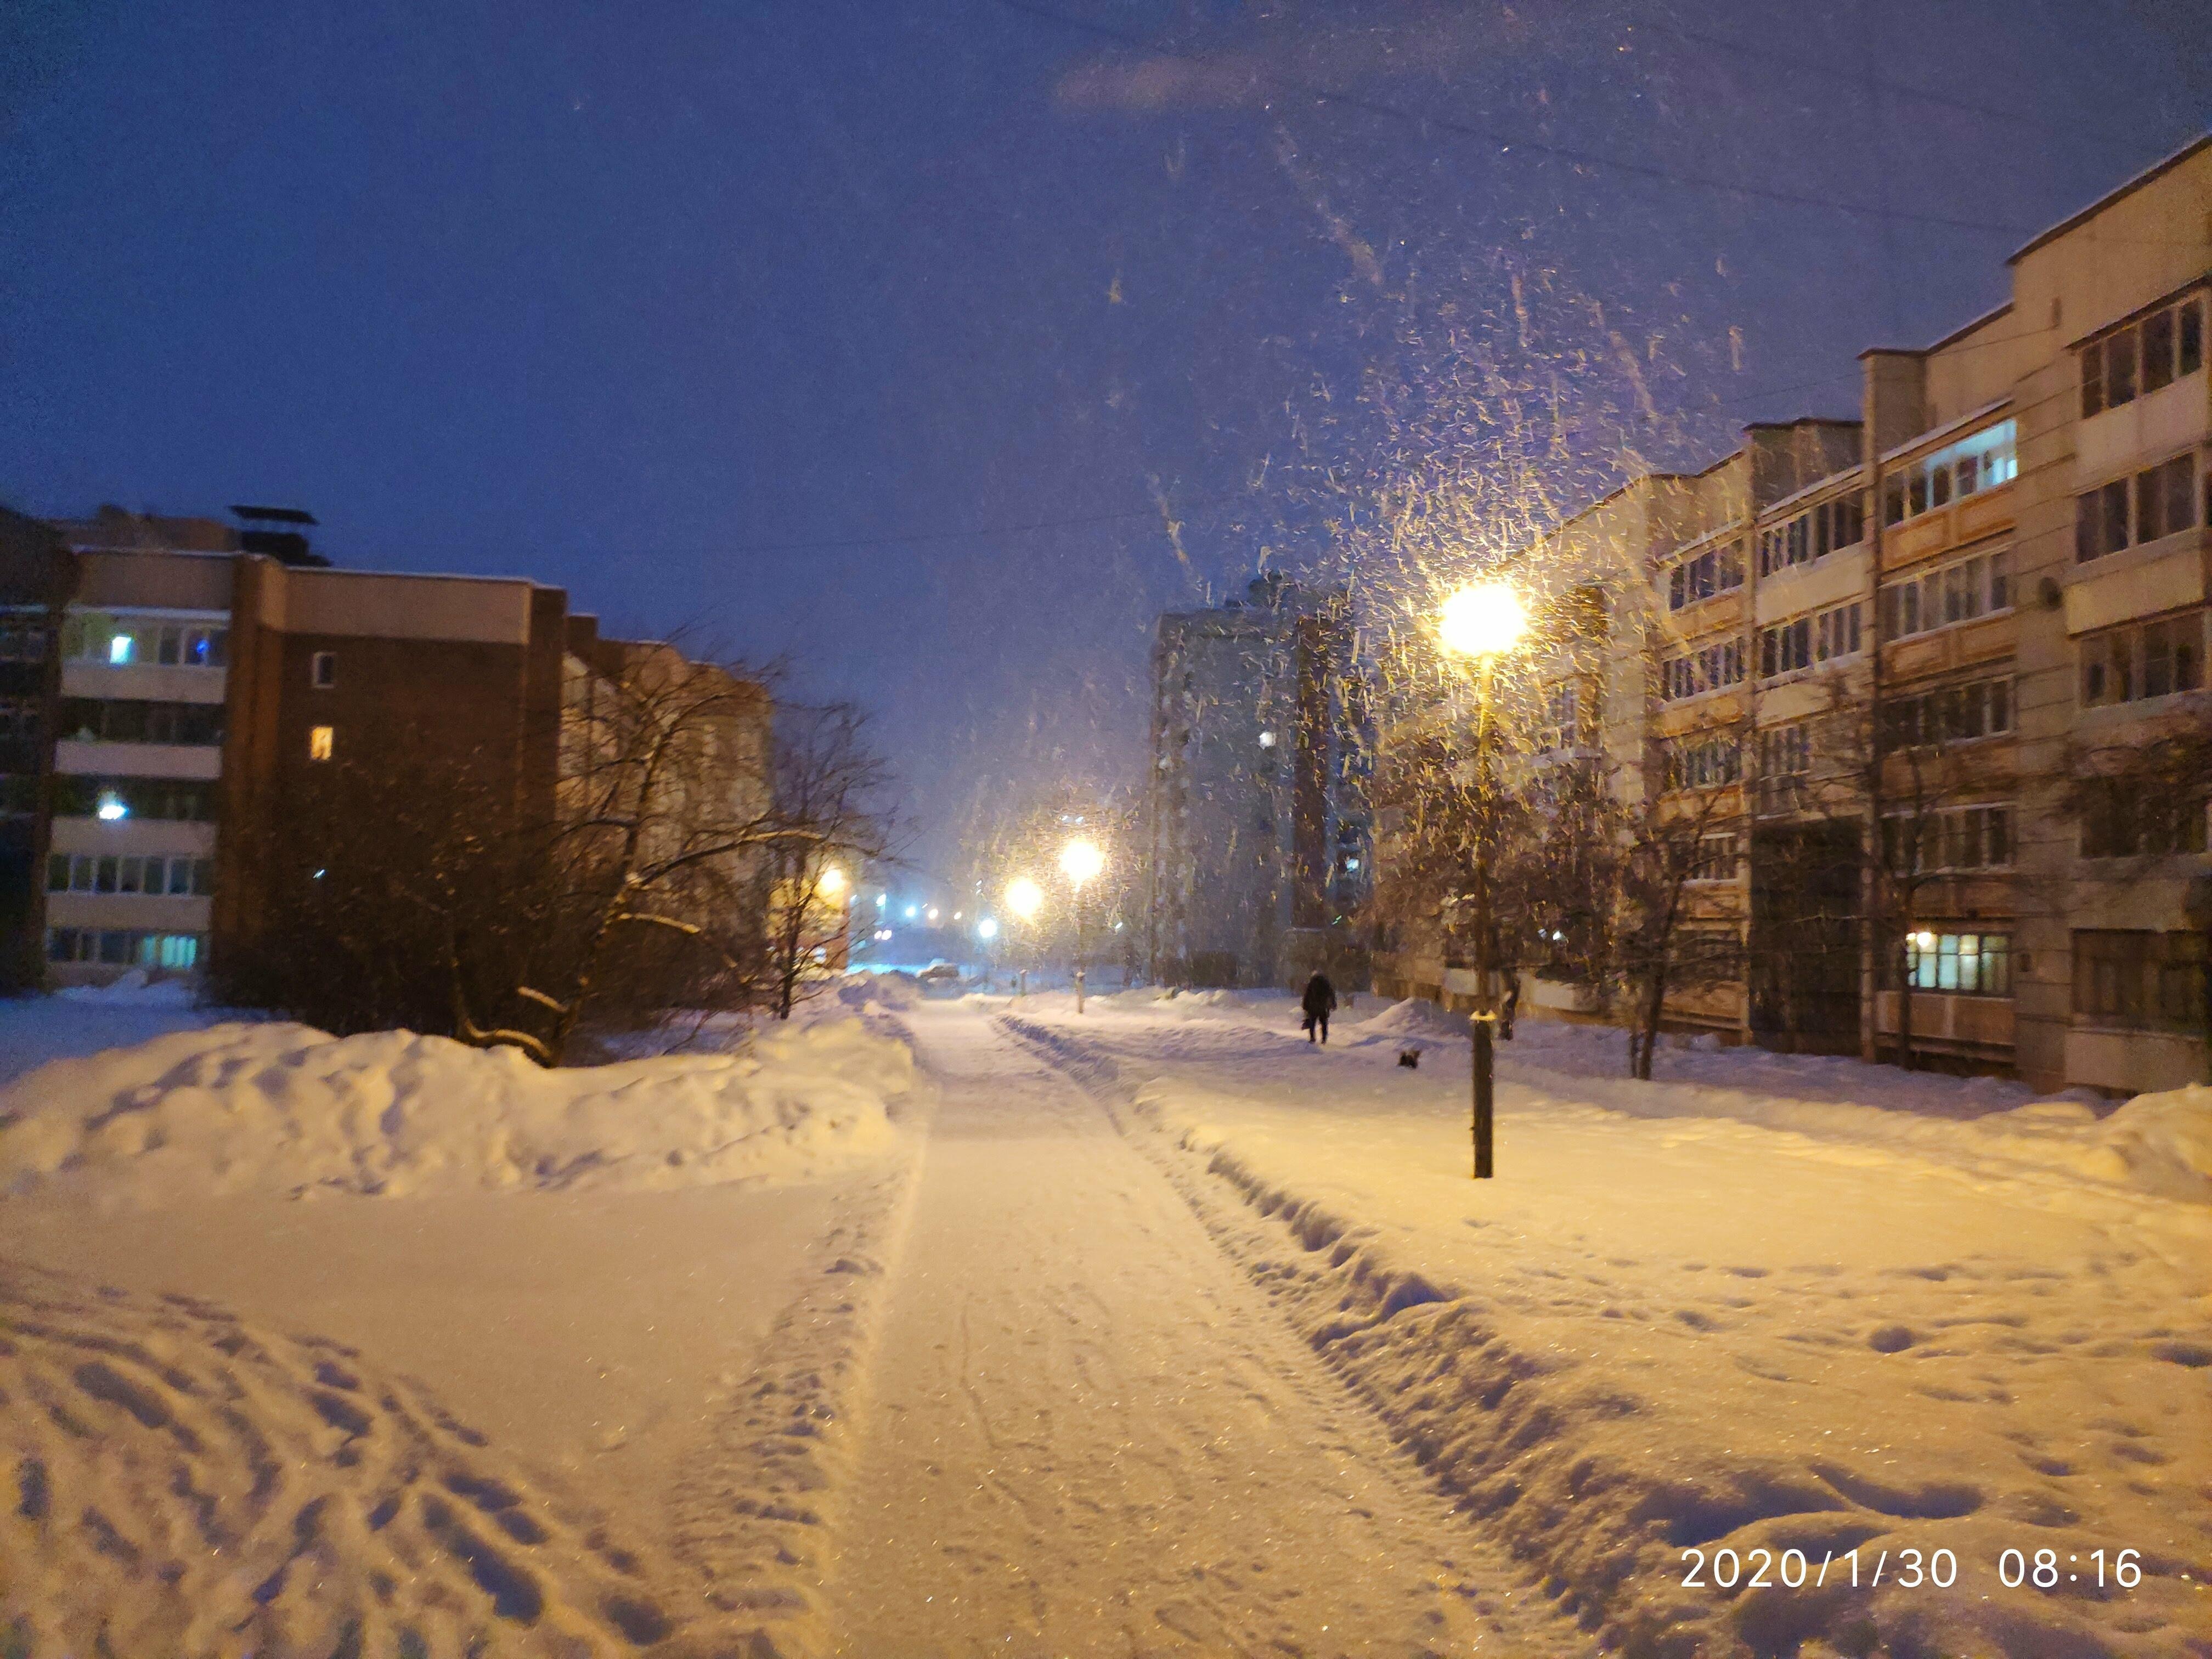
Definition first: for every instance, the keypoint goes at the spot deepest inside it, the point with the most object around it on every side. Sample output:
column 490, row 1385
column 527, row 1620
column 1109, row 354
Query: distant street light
column 1080, row 861
column 986, row 929
column 1483, row 621
column 833, row 882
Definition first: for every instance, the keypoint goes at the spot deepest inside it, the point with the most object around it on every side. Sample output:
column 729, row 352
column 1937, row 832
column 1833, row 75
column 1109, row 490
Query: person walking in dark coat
column 1319, row 1002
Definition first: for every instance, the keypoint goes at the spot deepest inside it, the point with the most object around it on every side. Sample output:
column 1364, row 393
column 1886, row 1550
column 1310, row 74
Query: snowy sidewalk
column 1090, row 1434
column 1676, row 1323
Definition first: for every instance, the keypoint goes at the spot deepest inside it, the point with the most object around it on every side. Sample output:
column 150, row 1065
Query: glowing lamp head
column 1025, row 897
column 931, row 913
column 1080, row 861
column 1482, row 619
column 111, row 808
column 833, row 882
column 986, row 928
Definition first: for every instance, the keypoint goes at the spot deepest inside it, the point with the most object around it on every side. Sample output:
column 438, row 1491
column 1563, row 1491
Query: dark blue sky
column 745, row 315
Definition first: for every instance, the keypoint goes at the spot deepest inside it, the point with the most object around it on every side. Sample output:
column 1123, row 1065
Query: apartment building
column 174, row 701
column 1878, row 659
column 1258, row 838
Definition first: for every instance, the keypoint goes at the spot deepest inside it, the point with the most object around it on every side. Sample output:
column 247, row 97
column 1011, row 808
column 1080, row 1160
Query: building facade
column 1257, row 833
column 1886, row 662
column 173, row 701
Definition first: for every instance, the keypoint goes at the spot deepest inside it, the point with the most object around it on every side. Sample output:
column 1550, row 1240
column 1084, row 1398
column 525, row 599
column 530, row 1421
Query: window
column 1701, row 763
column 1964, row 965
column 105, row 719
column 126, row 641
column 2140, row 980
column 22, row 637
column 1695, row 672
column 120, row 946
column 1714, row 858
column 2143, row 659
column 320, row 740
column 2159, row 501
column 1786, row 759
column 1947, row 713
column 19, row 718
column 1812, row 535
column 2166, row 345
column 153, row 876
column 323, row 671
column 1967, row 467
column 1947, row 838
column 2121, row 818
column 1784, row 648
column 183, row 799
column 1717, row 570
column 1949, row 593
column 1560, row 729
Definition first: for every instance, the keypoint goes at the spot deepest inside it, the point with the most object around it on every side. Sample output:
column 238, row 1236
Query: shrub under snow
column 287, row 1109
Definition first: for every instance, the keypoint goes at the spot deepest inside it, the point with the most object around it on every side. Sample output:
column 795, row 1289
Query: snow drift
column 283, row 1108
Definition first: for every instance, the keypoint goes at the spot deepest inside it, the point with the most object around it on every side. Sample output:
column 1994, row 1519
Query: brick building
column 171, row 698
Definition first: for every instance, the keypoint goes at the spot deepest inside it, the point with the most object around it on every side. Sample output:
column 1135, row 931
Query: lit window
column 119, row 647
column 112, row 807
column 320, row 741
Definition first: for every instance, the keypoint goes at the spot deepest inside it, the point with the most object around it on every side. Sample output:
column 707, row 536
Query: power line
column 1507, row 142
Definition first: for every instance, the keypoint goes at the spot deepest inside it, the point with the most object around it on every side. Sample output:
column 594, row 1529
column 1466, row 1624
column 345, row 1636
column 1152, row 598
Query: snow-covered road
column 1090, row 1433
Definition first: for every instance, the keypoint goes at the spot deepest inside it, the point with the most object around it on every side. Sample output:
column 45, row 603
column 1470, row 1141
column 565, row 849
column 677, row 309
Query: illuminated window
column 120, row 647
column 320, row 739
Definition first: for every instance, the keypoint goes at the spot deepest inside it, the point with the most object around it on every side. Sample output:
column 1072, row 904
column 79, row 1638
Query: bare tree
column 829, row 781
column 1666, row 942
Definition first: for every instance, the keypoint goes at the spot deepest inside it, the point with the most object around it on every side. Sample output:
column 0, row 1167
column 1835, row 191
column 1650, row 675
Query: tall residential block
column 1257, row 831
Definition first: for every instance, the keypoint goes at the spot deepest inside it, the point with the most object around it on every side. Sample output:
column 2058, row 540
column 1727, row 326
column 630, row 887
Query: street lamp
column 1080, row 861
column 1482, row 621
column 1024, row 897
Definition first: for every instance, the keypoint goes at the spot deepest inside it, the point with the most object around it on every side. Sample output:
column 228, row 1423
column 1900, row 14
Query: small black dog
column 1410, row 1059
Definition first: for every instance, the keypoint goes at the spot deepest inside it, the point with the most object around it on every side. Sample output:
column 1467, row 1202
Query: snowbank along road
column 1090, row 1434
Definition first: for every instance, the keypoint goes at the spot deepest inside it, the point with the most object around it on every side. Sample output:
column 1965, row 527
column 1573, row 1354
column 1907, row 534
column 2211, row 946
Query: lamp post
column 1023, row 897
column 1080, row 861
column 1482, row 621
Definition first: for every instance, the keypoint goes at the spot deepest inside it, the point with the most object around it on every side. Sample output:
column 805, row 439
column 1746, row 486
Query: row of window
column 1952, row 838
column 1966, row 964
column 1562, row 726
column 2159, row 501
column 1821, row 636
column 1700, row 762
column 1698, row 671
column 1947, row 713
column 124, row 947
column 2127, row 820
column 1812, row 535
column 2149, row 355
column 1980, row 462
column 1716, row 858
column 130, row 720
column 23, row 641
column 1954, row 593
column 2140, row 980
column 188, row 800
column 1717, row 570
column 103, row 872
column 2143, row 659
column 124, row 642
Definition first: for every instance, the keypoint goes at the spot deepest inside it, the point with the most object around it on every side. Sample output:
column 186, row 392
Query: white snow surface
column 283, row 1108
column 1763, row 1304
